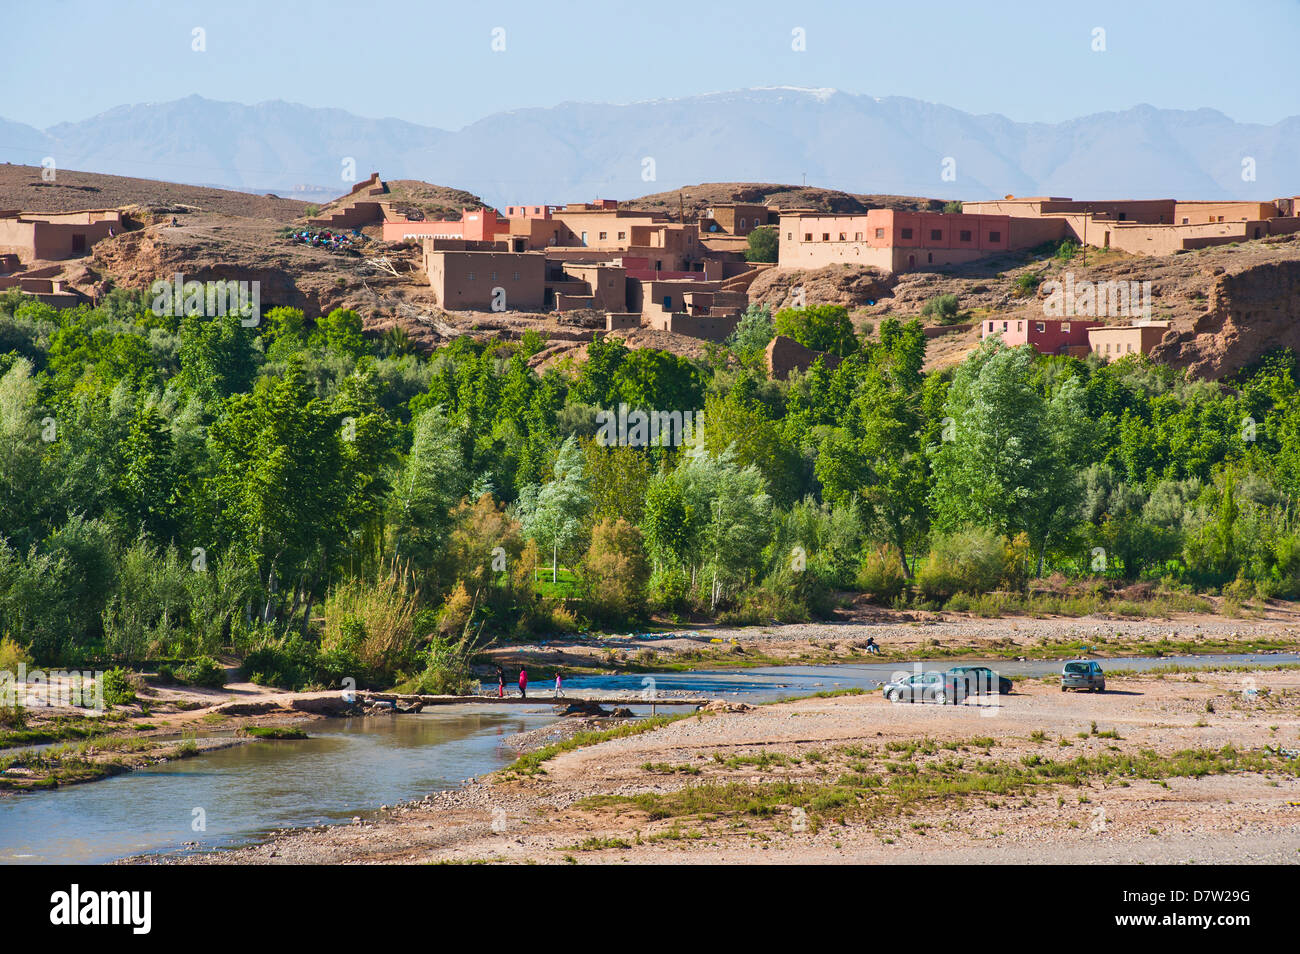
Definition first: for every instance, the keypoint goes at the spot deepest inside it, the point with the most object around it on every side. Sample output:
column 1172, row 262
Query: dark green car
column 980, row 680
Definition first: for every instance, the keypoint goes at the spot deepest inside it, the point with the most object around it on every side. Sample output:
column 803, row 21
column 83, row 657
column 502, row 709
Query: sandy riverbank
column 883, row 783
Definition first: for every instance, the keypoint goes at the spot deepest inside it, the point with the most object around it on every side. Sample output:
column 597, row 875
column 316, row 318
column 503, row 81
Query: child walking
column 559, row 684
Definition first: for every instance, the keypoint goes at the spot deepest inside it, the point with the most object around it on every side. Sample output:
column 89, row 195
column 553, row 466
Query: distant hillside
column 22, row 187
column 854, row 143
column 694, row 199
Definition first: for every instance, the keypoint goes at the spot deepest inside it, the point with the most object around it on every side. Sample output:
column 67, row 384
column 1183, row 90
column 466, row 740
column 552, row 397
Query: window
column 965, row 235
column 995, row 236
column 622, row 235
column 1039, row 327
column 1065, row 326
column 907, row 233
column 1129, row 346
column 1004, row 326
column 842, row 236
column 516, row 276
column 936, row 235
column 603, row 236
column 807, row 236
column 469, row 276
column 1108, row 347
column 826, row 236
column 1184, row 220
column 990, row 327
column 742, row 223
column 857, row 236
column 789, row 236
column 1020, row 326
column 668, row 302
column 880, row 233
column 1123, row 216
column 492, row 277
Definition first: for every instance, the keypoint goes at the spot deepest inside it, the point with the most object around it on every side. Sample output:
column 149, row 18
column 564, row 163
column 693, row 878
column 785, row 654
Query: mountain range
column 580, row 151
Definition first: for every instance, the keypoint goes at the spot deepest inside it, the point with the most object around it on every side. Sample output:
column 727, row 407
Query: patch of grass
column 531, row 762
column 277, row 732
column 599, row 844
column 663, row 768
column 874, row 795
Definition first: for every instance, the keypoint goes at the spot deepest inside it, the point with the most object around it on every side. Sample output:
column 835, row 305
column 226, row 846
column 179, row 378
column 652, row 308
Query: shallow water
column 351, row 766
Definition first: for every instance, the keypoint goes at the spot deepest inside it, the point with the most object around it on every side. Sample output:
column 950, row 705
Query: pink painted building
column 475, row 225
column 1045, row 335
column 890, row 240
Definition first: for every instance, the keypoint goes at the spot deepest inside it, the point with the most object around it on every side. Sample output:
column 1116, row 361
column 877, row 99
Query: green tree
column 820, row 327
column 553, row 514
column 763, row 245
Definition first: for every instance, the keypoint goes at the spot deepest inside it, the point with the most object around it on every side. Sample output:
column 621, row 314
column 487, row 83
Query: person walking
column 559, row 684
column 523, row 683
column 501, row 683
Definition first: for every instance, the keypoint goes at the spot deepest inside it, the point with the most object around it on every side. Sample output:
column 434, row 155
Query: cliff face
column 1248, row 313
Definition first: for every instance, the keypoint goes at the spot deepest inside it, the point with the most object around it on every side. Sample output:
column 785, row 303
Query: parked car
column 980, row 680
column 1083, row 674
column 936, row 687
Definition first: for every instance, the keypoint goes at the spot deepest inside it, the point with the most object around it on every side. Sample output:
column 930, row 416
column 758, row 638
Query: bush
column 882, row 575
column 1067, row 249
column 119, row 687
column 286, row 663
column 670, row 589
column 373, row 620
column 12, row 655
column 1026, row 284
column 614, row 573
column 201, row 671
column 942, row 308
column 969, row 561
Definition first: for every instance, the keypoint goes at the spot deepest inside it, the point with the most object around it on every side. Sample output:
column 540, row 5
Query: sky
column 435, row 63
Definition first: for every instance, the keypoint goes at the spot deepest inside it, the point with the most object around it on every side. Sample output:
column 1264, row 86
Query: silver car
column 933, row 687
column 1083, row 674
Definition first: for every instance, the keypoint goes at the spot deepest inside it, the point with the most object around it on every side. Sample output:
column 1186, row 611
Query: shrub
column 670, row 590
column 12, row 655
column 969, row 561
column 952, row 208
column 286, row 663
column 1026, row 284
column 942, row 308
column 201, row 671
column 119, row 687
column 881, row 574
column 615, row 571
column 373, row 620
column 456, row 610
column 1067, row 249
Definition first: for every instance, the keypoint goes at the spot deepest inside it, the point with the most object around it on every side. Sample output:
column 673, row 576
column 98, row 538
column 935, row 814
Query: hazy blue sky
column 433, row 62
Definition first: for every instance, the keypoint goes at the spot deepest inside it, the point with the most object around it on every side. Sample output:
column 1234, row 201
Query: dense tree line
column 324, row 503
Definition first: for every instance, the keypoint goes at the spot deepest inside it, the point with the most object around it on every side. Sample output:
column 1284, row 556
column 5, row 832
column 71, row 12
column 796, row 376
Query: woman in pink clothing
column 523, row 683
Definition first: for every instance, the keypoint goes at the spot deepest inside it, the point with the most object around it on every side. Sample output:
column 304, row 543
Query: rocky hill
column 23, row 187
column 696, row 198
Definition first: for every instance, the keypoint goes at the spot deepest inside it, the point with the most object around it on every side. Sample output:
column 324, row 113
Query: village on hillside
column 578, row 269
